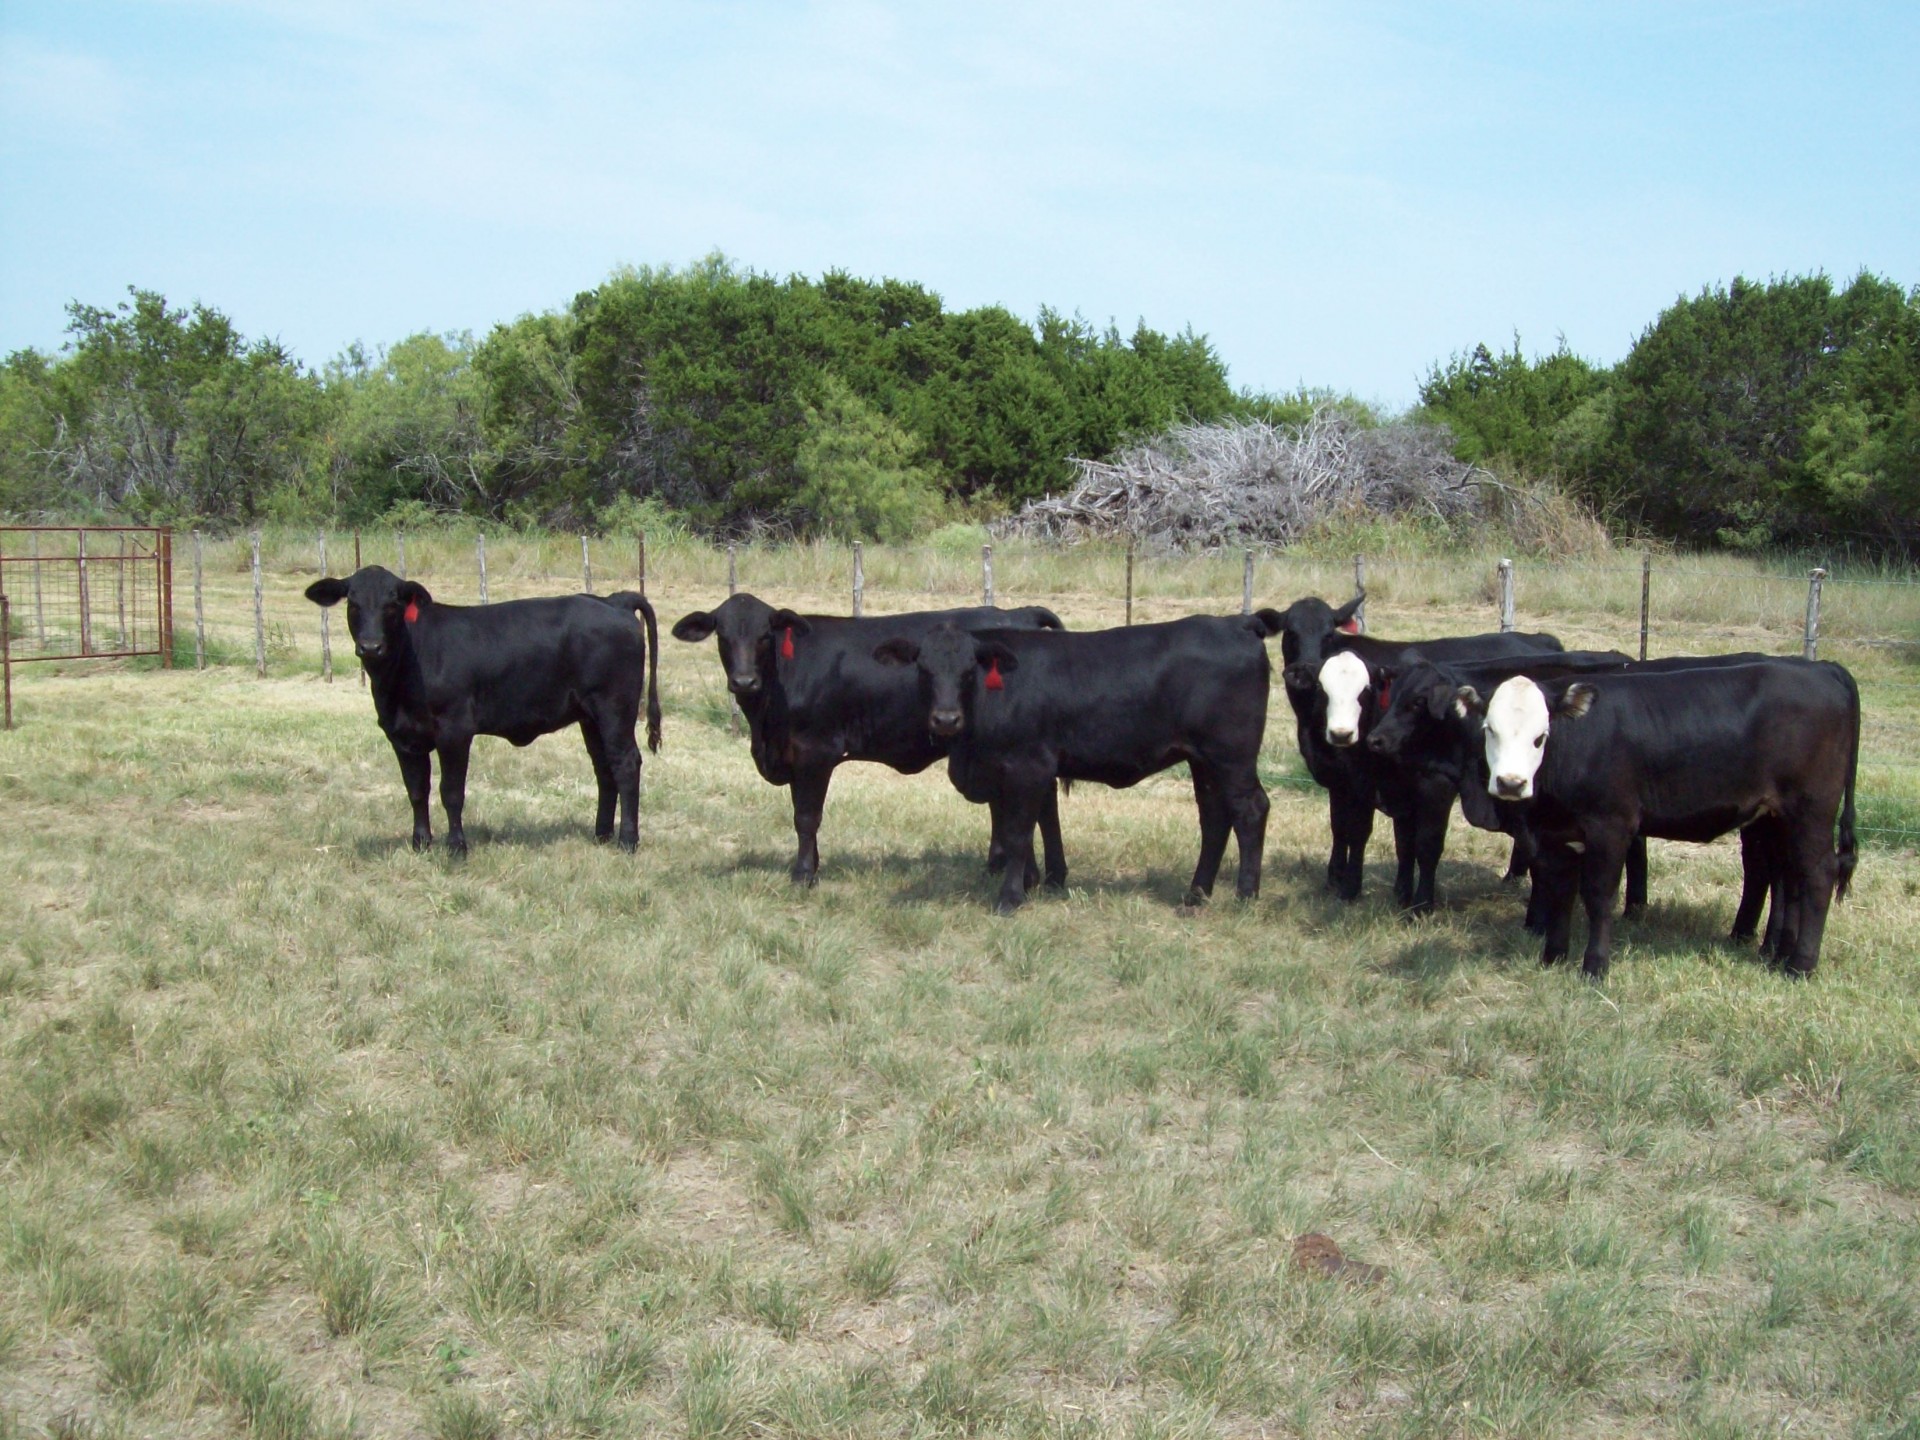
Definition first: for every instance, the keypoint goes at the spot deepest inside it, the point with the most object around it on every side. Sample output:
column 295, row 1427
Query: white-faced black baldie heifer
column 1685, row 755
column 442, row 674
column 1418, row 729
column 814, row 696
column 1024, row 709
column 1311, row 631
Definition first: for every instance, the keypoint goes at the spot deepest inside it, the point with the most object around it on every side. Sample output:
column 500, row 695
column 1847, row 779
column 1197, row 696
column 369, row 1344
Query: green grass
column 303, row 1134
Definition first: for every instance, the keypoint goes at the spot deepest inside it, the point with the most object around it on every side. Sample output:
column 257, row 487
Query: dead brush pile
column 1246, row 482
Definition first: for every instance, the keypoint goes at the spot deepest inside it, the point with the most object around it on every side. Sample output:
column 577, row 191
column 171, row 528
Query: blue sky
column 1336, row 194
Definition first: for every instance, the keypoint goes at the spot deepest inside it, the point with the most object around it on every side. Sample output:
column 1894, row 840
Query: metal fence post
column 199, row 602
column 165, row 580
column 1360, row 589
column 480, row 554
column 986, row 574
column 120, row 588
column 259, row 615
column 86, row 601
column 1812, row 642
column 859, row 582
column 1506, row 594
column 326, row 613
column 1646, row 598
column 39, row 601
column 1246, row 585
column 6, row 654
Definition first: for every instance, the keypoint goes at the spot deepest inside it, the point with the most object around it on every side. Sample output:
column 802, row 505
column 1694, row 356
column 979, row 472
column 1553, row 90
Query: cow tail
column 1848, row 855
column 653, row 675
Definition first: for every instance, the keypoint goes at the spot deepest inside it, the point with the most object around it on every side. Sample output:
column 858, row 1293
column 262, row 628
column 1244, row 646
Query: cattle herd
column 1579, row 756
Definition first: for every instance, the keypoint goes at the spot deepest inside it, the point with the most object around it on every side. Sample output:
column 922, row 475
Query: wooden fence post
column 586, row 568
column 859, row 582
column 199, row 603
column 1129, row 582
column 986, row 574
column 1811, row 645
column 480, row 558
column 1506, row 594
column 1246, row 585
column 326, row 614
column 6, row 654
column 401, row 539
column 1360, row 589
column 1646, row 598
column 734, row 717
column 356, row 566
column 640, row 544
column 259, row 615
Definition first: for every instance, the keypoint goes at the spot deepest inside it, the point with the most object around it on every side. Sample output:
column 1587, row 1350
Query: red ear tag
column 413, row 611
column 994, row 682
column 1386, row 693
column 786, row 645
column 1349, row 627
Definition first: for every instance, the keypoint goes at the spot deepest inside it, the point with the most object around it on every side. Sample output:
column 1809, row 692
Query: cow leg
column 1403, row 860
column 603, row 776
column 809, row 802
column 996, row 846
column 1555, row 874
column 1636, row 876
column 1050, row 840
column 1352, row 817
column 1520, row 859
column 453, row 789
column 1248, row 805
column 1018, row 816
column 1216, row 823
column 1756, row 878
column 1600, row 872
column 623, row 759
column 1812, row 868
column 416, row 769
column 1429, row 843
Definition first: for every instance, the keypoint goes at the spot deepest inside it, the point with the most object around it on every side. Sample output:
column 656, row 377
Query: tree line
column 713, row 396
column 1755, row 415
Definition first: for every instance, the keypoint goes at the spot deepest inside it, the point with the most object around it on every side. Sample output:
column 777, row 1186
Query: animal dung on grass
column 1317, row 1254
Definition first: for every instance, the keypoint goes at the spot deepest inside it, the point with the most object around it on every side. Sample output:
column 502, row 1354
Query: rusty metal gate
column 84, row 593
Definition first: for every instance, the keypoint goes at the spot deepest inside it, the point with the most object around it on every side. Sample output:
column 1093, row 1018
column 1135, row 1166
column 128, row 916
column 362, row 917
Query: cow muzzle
column 946, row 723
column 1511, row 787
column 370, row 650
column 1340, row 739
column 744, row 684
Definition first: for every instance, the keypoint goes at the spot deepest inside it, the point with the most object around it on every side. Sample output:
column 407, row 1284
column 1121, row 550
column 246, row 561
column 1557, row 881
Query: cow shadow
column 539, row 836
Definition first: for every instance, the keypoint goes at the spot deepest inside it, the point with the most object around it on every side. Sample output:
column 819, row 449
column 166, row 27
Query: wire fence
column 247, row 606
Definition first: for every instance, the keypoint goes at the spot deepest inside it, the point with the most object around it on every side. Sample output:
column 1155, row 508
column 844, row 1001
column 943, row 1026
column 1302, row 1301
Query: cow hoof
column 1196, row 897
column 806, row 878
column 423, row 842
column 1594, row 970
column 456, row 847
column 629, row 845
column 1006, row 907
column 1056, row 882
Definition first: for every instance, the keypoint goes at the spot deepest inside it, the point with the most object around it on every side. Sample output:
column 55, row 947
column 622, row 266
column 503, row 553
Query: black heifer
column 814, row 696
column 1681, row 755
column 1311, row 631
column 442, row 674
column 1026, row 709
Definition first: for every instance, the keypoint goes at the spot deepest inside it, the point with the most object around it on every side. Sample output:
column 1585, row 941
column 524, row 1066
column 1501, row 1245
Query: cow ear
column 1266, row 623
column 1467, row 701
column 1440, row 697
column 1343, row 617
column 897, row 651
column 327, row 592
column 1575, row 700
column 787, row 620
column 697, row 626
column 992, row 652
column 412, row 592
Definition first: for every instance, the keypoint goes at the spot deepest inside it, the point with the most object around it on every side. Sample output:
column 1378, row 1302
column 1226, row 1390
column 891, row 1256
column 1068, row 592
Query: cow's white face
column 1343, row 680
column 1516, row 731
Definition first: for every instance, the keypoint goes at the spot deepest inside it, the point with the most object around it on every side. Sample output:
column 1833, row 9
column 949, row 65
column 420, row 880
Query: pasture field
column 303, row 1134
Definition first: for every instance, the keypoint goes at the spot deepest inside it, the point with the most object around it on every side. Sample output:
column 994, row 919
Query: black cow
column 1682, row 755
column 1312, row 631
column 814, row 696
column 442, row 674
column 1026, row 709
column 1416, row 727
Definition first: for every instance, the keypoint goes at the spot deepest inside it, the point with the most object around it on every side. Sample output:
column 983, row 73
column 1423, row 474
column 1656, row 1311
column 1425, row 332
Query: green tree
column 859, row 479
